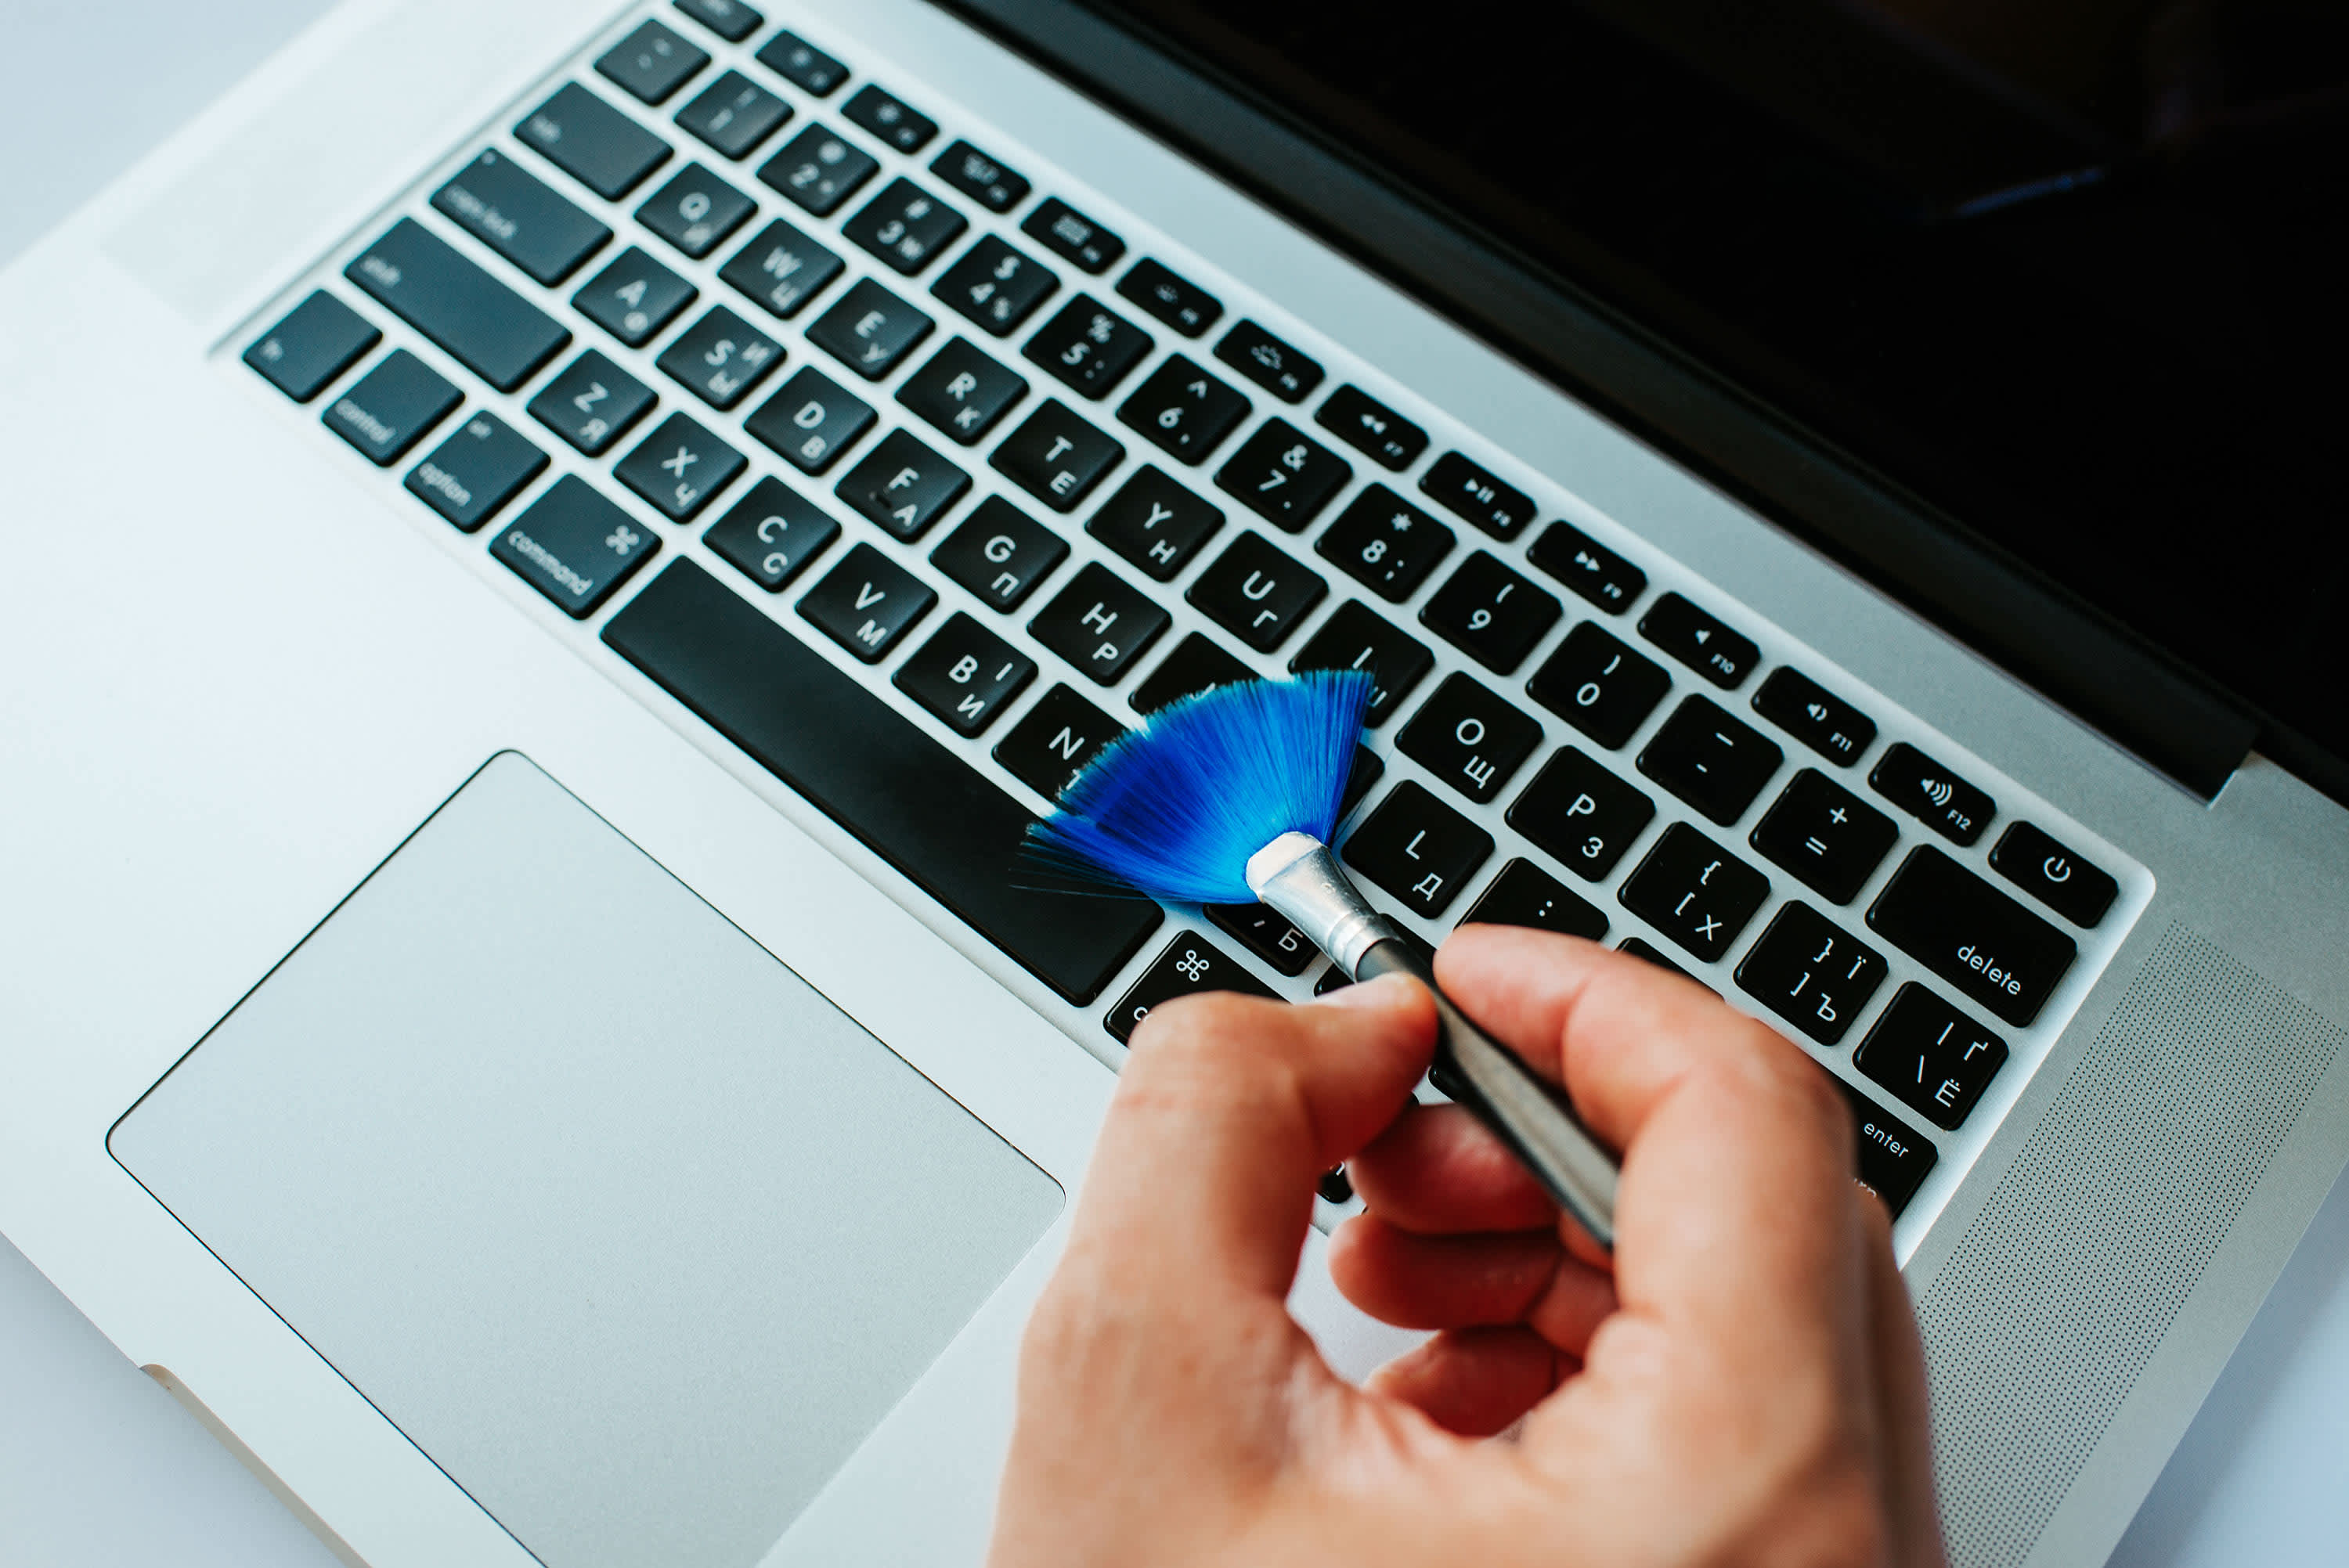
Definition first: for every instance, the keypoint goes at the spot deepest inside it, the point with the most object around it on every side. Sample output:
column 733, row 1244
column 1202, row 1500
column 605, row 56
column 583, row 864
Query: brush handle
column 1523, row 1109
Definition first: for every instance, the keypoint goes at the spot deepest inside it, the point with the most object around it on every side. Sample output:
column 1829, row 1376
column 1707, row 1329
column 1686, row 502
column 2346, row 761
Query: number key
column 1385, row 543
column 1088, row 347
column 1282, row 477
column 1490, row 613
column 1597, row 684
column 1183, row 409
column 995, row 286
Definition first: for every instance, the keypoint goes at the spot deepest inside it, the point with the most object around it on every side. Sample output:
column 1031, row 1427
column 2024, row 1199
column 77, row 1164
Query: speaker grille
column 2041, row 1322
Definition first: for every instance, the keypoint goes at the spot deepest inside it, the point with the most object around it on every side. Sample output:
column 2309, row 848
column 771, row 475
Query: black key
column 721, row 358
column 810, row 421
column 734, row 114
column 1698, row 640
column 633, row 298
column 1264, row 934
column 1525, row 894
column 1648, row 952
column 1582, row 814
column 802, row 63
column 1053, row 741
column 962, row 391
column 1196, row 665
column 1469, row 738
column 1335, row 979
column 679, row 467
column 867, row 601
column 1587, row 567
column 1893, row 1160
column 651, row 62
column 999, row 553
column 1283, row 478
column 1597, row 684
column 873, row 770
column 1171, row 297
column 1364, row 773
column 520, row 217
column 1256, row 592
column 980, row 178
column 1154, row 523
column 1490, row 613
column 1693, row 893
column 473, row 473
column 1056, row 457
column 730, row 19
column 1088, row 347
column 995, row 286
column 903, row 486
column 1369, row 427
column 905, row 226
column 2037, row 863
column 772, row 533
column 1972, row 936
column 1820, row 720
column 696, row 210
column 1188, row 967
column 819, row 171
column 1333, row 1186
column 1811, row 974
column 1271, row 364
column 1471, row 491
column 1070, row 235
column 492, row 331
column 1933, row 1057
column 890, row 119
column 1356, row 639
column 965, row 675
column 317, row 341
column 1418, row 849
column 388, row 410
column 1099, row 625
column 574, row 546
column 592, row 142
column 1710, row 759
column 1932, row 794
column 782, row 269
column 593, row 403
column 1184, row 410
column 1825, row 835
column 869, row 329
column 1385, row 543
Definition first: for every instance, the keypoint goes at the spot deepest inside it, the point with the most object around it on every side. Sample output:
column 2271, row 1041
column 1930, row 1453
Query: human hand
column 1740, row 1384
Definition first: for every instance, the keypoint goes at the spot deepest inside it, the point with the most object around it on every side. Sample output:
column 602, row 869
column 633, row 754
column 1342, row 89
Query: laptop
column 554, row 552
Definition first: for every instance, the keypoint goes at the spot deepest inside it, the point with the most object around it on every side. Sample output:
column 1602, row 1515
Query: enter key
column 1981, row 942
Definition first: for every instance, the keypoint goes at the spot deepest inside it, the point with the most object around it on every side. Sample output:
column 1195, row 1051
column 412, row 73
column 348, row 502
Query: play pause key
column 1190, row 964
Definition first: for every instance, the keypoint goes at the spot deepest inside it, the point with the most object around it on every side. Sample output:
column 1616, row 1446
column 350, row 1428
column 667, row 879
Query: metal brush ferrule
column 1298, row 878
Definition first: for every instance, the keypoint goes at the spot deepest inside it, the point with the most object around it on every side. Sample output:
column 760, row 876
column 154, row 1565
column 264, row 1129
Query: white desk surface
column 99, row 1466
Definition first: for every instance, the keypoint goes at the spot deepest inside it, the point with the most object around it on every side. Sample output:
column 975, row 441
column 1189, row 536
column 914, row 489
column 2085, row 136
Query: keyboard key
column 965, row 675
column 995, row 286
column 574, row 546
column 1099, row 625
column 1811, row 974
column 962, row 391
column 696, row 212
column 2034, row 861
column 1172, row 298
column 810, row 421
column 1283, row 478
column 1597, row 684
column 1356, row 639
column 802, row 63
column 1700, row 642
column 999, row 553
column 1087, row 347
column 492, row 331
column 1073, row 237
column 1271, row 364
column 902, row 487
column 905, row 226
column 388, row 410
column 867, row 602
column 633, row 298
column 1196, row 665
column 592, row 142
column 782, row 269
column 1385, row 543
column 1933, row 1057
column 1418, row 849
column 980, row 178
column 1972, row 936
column 1184, row 410
column 317, row 341
column 1525, row 894
column 1364, row 773
column 819, row 171
column 1587, row 567
column 1710, row 759
column 869, row 329
column 1932, row 794
column 1371, row 428
column 730, row 19
column 679, row 467
column 721, row 357
column 1820, row 720
column 734, row 114
column 1582, row 814
column 1471, row 491
column 890, row 119
column 1154, row 523
column 1189, row 965
column 770, row 534
column 1264, row 934
column 1054, row 740
column 1469, row 738
column 1825, row 835
column 873, row 771
column 1648, row 952
column 1490, row 613
column 1256, row 592
column 473, row 473
column 593, row 403
column 520, row 217
column 651, row 62
column 1056, row 457
column 1695, row 893
column 1893, row 1160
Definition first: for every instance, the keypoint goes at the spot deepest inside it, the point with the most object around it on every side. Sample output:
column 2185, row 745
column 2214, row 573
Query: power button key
column 2053, row 875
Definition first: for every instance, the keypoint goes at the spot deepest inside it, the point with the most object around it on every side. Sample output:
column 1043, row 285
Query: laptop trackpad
column 629, row 1228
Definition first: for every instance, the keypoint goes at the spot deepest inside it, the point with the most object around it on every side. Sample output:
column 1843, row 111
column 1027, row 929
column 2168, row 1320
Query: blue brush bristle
column 1177, row 809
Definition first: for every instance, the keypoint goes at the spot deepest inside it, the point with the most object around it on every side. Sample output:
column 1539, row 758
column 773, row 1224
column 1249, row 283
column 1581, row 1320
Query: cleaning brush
column 1232, row 795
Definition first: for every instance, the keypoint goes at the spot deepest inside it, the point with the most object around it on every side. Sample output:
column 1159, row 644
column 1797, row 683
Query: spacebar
column 914, row 803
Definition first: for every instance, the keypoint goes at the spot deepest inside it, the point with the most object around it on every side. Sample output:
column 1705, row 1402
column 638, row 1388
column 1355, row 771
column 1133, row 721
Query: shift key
column 496, row 334
column 1981, row 942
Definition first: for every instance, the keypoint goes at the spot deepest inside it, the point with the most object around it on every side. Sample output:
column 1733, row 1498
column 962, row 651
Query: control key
column 1972, row 936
